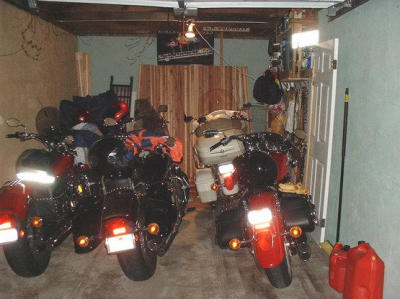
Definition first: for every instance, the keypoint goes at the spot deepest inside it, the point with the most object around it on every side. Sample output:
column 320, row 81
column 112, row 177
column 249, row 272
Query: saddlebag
column 228, row 227
column 204, row 180
column 298, row 210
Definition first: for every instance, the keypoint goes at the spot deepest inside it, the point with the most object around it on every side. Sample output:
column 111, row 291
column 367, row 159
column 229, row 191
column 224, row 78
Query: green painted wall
column 121, row 57
column 369, row 46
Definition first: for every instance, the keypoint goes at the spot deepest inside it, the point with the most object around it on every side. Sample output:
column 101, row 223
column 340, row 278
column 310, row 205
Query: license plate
column 120, row 243
column 8, row 235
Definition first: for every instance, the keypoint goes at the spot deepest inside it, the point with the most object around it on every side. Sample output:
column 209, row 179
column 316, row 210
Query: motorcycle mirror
column 300, row 134
column 14, row 122
column 163, row 108
column 187, row 119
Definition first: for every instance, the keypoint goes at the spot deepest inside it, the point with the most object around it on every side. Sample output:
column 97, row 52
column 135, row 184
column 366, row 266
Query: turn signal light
column 37, row 222
column 82, row 241
column 214, row 187
column 153, row 229
column 295, row 232
column 234, row 244
column 21, row 233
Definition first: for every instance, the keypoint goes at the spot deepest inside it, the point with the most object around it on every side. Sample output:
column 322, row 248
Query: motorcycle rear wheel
column 140, row 263
column 25, row 259
column 280, row 276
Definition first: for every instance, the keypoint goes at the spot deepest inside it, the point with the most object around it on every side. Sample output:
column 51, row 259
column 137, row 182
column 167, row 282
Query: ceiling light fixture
column 190, row 33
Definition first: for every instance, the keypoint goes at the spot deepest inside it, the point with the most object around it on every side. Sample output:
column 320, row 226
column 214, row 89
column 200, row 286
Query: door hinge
column 322, row 222
column 333, row 64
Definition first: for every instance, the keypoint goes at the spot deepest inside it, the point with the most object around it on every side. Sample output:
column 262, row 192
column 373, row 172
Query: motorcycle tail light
column 229, row 181
column 6, row 222
column 119, row 230
column 115, row 227
column 119, row 236
column 8, row 232
column 260, row 219
column 227, row 172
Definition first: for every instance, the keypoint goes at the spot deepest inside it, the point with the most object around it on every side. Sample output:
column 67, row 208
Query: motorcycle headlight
column 226, row 168
column 36, row 176
column 259, row 216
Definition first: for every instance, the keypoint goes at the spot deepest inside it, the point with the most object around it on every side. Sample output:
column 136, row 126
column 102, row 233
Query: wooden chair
column 123, row 92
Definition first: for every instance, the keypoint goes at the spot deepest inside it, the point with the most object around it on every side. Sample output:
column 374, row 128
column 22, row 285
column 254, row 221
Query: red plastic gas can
column 338, row 266
column 365, row 272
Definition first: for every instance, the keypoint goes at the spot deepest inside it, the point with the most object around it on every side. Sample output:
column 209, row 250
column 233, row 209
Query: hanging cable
column 219, row 54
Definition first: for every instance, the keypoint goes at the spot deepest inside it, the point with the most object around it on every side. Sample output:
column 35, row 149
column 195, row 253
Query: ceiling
column 131, row 17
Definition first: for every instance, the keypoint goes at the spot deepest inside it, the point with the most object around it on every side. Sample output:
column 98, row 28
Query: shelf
column 306, row 73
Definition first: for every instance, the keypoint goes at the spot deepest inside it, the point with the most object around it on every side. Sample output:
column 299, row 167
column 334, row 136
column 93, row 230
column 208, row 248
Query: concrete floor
column 194, row 267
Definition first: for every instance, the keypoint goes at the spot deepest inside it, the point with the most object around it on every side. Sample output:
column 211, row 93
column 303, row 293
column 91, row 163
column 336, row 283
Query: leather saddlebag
column 298, row 210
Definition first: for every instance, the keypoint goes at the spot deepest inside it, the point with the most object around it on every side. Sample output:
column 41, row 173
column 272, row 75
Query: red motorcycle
column 269, row 222
column 36, row 209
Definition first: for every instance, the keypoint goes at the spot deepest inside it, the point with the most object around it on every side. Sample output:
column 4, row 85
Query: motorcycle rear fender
column 88, row 224
column 13, row 199
column 268, row 243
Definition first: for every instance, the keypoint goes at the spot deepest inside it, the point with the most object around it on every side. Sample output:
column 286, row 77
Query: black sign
column 174, row 48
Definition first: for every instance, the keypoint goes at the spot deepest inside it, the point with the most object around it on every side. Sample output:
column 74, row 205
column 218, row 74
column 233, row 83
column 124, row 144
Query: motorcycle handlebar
column 223, row 141
column 15, row 135
column 256, row 138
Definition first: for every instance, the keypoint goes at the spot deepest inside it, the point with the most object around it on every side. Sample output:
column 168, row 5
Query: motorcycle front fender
column 268, row 243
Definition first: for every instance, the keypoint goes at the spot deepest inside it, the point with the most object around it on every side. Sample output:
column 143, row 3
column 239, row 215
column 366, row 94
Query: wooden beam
column 221, row 49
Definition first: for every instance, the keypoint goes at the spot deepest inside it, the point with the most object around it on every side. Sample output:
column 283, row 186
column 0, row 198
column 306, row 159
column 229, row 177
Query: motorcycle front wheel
column 25, row 259
column 281, row 275
column 140, row 263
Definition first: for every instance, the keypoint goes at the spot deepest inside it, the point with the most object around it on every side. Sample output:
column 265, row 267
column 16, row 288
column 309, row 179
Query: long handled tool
column 346, row 112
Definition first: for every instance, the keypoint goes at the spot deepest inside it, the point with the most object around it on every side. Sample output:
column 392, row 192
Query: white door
column 320, row 132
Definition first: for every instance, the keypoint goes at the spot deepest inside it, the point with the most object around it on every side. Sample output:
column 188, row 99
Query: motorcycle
column 217, row 165
column 270, row 222
column 141, row 194
column 36, row 209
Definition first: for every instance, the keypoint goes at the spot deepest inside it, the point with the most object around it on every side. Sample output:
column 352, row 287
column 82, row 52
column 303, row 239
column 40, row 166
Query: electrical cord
column 219, row 54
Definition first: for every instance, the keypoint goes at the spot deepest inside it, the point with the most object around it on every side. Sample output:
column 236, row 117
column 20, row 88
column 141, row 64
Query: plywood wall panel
column 192, row 90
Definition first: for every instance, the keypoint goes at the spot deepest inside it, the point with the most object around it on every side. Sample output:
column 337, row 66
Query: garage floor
column 194, row 267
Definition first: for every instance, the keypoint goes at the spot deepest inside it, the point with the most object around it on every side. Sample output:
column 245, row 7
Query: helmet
column 121, row 108
column 256, row 170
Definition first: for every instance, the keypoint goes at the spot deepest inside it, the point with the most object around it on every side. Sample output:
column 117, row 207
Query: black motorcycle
column 37, row 208
column 136, row 204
